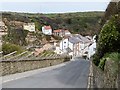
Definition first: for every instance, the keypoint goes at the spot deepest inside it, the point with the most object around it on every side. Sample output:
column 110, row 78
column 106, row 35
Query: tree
column 109, row 39
column 17, row 36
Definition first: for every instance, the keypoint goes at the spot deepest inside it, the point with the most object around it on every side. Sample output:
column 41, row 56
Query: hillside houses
column 58, row 32
column 76, row 45
column 3, row 28
column 47, row 30
column 21, row 25
column 29, row 26
column 67, row 32
column 92, row 48
column 61, row 32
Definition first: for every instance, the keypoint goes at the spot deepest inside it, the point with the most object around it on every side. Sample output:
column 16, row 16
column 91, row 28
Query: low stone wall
column 12, row 67
column 107, row 78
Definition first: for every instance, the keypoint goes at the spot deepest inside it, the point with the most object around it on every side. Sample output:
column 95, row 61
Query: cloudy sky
column 53, row 6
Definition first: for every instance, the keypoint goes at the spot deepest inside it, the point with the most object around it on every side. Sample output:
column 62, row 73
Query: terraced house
column 61, row 32
column 76, row 45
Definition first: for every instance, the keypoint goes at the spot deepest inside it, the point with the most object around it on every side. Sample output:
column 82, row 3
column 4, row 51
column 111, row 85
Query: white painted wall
column 91, row 50
column 71, row 53
column 83, row 47
column 58, row 51
column 30, row 27
column 67, row 33
column 64, row 44
column 71, row 45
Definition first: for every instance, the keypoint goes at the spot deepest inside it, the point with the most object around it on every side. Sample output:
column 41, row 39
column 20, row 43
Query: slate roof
column 68, row 49
column 73, row 40
column 82, row 39
column 78, row 38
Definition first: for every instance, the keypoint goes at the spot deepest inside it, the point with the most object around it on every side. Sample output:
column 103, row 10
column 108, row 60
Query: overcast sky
column 52, row 6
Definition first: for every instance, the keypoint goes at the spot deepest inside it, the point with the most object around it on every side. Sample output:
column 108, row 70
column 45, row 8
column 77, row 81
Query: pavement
column 73, row 74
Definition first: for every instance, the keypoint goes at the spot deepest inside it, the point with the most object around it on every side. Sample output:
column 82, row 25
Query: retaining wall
column 109, row 78
column 17, row 66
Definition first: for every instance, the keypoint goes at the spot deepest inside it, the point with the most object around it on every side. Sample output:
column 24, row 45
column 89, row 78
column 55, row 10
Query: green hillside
column 85, row 23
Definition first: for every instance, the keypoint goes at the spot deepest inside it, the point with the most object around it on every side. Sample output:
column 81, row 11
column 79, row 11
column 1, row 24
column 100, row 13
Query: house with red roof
column 47, row 30
column 58, row 32
column 61, row 32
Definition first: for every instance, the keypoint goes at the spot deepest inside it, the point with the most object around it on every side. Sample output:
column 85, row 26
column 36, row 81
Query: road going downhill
column 72, row 75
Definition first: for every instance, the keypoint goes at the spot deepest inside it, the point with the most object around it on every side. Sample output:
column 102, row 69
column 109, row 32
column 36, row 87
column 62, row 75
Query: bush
column 115, row 59
column 96, row 59
column 66, row 59
column 48, row 37
column 8, row 48
column 102, row 63
column 115, row 56
column 57, row 37
column 109, row 39
column 16, row 36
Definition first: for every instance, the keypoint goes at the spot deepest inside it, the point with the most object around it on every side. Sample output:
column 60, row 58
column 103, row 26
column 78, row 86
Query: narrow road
column 73, row 75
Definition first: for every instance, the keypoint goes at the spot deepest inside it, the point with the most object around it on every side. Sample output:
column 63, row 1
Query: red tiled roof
column 59, row 30
column 47, row 27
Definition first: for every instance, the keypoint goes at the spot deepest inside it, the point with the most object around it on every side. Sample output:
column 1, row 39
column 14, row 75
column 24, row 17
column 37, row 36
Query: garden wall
column 18, row 66
column 109, row 78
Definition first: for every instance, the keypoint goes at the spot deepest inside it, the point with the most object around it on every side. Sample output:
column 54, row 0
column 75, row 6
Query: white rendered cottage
column 47, row 30
column 84, row 43
column 92, row 48
column 75, row 45
column 70, row 45
column 29, row 26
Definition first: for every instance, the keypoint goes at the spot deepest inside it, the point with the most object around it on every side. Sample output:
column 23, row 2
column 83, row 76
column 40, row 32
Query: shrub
column 57, row 37
column 48, row 37
column 102, row 63
column 109, row 39
column 115, row 56
column 66, row 59
column 96, row 59
column 16, row 36
column 115, row 59
column 8, row 48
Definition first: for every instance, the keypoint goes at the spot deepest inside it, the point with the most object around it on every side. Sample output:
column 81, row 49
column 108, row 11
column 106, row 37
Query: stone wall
column 15, row 66
column 109, row 78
